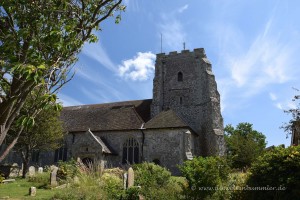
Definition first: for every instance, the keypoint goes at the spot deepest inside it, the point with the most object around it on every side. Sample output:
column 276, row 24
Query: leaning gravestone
column 130, row 180
column 40, row 170
column 31, row 171
column 32, row 191
column 53, row 174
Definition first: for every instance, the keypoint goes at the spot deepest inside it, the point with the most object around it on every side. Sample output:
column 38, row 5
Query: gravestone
column 40, row 170
column 130, row 181
column 125, row 181
column 53, row 181
column 31, row 171
column 32, row 191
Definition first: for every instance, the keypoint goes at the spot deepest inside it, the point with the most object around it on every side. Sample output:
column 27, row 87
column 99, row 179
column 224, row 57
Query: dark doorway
column 88, row 162
column 156, row 161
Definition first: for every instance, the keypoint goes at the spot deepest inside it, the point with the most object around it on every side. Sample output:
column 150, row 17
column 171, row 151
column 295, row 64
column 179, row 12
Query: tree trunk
column 11, row 145
column 25, row 158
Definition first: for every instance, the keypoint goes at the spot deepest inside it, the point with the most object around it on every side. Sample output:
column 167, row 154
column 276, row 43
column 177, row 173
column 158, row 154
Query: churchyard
column 274, row 173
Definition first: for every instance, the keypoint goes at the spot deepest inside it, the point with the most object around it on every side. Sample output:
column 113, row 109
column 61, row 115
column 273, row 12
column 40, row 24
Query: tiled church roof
column 166, row 119
column 125, row 115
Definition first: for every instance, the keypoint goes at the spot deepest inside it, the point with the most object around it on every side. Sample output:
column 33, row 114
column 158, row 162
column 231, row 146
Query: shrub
column 279, row 168
column 112, row 185
column 131, row 193
column 203, row 176
column 40, row 180
column 155, row 182
column 67, row 170
column 151, row 175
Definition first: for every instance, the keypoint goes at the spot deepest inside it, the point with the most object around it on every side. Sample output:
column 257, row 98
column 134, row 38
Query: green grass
column 20, row 190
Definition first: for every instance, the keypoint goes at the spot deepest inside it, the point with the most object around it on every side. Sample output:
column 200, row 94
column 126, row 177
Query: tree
column 203, row 175
column 36, row 131
column 39, row 43
column 295, row 112
column 278, row 171
column 46, row 134
column 244, row 144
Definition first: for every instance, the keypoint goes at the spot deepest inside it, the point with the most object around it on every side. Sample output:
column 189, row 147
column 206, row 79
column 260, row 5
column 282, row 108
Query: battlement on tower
column 199, row 52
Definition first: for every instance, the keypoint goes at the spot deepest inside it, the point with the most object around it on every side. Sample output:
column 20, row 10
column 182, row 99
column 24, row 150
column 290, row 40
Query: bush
column 155, row 182
column 40, row 180
column 67, row 170
column 203, row 176
column 92, row 183
column 151, row 175
column 132, row 193
column 112, row 185
column 279, row 168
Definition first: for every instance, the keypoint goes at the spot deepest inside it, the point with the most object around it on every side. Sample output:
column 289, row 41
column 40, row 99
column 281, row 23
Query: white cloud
column 183, row 8
column 273, row 97
column 68, row 101
column 268, row 60
column 138, row 68
column 279, row 106
column 98, row 53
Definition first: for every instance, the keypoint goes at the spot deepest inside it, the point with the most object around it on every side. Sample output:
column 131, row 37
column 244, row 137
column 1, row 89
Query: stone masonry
column 194, row 98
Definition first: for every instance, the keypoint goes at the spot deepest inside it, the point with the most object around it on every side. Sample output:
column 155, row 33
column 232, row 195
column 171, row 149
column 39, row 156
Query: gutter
column 143, row 140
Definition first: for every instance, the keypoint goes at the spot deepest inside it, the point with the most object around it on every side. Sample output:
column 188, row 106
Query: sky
column 253, row 47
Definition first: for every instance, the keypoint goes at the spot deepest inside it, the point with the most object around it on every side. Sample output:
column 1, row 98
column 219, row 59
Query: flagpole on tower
column 160, row 42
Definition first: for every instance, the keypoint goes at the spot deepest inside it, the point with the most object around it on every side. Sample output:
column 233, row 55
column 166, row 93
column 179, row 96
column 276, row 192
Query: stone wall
column 169, row 146
column 195, row 99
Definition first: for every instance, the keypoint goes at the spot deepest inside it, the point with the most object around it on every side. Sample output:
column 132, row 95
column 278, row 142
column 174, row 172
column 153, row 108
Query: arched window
column 180, row 76
column 130, row 151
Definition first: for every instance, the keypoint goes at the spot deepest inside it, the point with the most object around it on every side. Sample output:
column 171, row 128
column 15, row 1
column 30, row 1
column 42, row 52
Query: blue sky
column 253, row 47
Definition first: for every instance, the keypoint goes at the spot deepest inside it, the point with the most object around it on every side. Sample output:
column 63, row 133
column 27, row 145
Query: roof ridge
column 110, row 103
column 138, row 115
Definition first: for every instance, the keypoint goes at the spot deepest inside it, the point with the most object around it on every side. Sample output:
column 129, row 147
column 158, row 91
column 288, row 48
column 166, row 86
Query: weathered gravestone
column 31, row 171
column 40, row 170
column 32, row 191
column 53, row 174
column 130, row 180
column 125, row 181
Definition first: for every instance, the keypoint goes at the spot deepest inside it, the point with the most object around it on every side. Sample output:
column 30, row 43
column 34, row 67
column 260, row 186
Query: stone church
column 182, row 120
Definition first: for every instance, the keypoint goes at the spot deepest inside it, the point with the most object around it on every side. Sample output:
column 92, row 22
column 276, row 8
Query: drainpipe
column 143, row 140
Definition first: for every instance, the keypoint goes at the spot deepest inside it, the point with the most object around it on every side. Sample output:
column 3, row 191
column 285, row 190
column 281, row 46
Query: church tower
column 184, row 82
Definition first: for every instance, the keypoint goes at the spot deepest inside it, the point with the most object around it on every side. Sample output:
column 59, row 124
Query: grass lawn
column 20, row 190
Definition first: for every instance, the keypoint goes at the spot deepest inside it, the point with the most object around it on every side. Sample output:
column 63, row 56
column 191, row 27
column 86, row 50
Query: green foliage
column 244, row 144
column 279, row 168
column 41, row 180
column 155, row 181
column 203, row 174
column 132, row 193
column 151, row 175
column 67, row 170
column 112, row 185
column 294, row 112
column 39, row 43
column 92, row 183
column 1, row 178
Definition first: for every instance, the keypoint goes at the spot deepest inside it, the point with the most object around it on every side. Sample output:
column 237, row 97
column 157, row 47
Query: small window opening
column 180, row 76
column 180, row 100
column 156, row 161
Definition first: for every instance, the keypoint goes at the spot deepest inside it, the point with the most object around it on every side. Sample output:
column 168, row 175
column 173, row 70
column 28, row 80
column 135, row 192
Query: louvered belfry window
column 130, row 151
